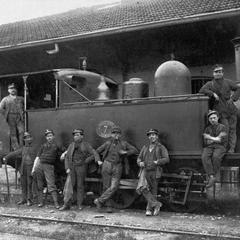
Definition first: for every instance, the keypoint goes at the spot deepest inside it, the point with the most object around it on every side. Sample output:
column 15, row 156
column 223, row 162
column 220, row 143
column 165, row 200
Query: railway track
column 190, row 235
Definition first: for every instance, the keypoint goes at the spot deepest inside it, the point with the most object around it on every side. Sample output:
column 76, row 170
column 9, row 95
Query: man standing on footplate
column 12, row 107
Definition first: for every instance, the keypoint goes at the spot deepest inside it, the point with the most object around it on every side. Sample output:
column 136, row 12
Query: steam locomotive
column 64, row 99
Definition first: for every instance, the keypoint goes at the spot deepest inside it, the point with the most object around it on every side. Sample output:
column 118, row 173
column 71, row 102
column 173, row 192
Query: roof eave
column 110, row 31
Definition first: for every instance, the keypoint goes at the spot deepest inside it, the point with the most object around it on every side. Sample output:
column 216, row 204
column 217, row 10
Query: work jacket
column 160, row 155
column 87, row 150
column 131, row 150
column 223, row 88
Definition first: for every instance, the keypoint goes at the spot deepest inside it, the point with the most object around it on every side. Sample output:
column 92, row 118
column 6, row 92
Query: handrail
column 127, row 100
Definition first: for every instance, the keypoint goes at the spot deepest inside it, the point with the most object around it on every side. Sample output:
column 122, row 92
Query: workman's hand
column 141, row 164
column 216, row 96
column 63, row 156
column 122, row 152
column 4, row 160
column 32, row 173
column 155, row 162
column 209, row 142
column 207, row 136
column 99, row 163
column 68, row 171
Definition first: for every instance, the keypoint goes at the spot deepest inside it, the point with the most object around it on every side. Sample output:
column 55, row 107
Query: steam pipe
column 25, row 103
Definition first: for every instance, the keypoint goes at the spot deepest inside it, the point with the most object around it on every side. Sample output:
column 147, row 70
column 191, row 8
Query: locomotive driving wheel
column 123, row 198
column 196, row 191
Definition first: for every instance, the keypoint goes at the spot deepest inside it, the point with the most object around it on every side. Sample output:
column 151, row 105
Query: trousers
column 231, row 125
column 26, row 182
column 111, row 175
column 211, row 158
column 78, row 174
column 16, row 127
column 151, row 193
column 46, row 171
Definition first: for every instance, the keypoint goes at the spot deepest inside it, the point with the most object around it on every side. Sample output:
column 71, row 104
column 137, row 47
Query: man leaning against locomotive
column 218, row 138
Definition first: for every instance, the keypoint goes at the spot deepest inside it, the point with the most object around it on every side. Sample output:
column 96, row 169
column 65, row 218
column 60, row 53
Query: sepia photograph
column 119, row 119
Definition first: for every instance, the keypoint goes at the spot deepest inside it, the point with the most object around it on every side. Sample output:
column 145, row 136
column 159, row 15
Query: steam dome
column 172, row 78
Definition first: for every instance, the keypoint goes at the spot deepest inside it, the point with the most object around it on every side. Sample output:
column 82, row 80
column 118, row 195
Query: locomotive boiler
column 64, row 99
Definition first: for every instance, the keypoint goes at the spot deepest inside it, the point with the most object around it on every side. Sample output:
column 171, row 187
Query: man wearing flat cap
column 77, row 157
column 27, row 154
column 215, row 142
column 220, row 91
column 44, row 166
column 113, row 152
column 151, row 158
column 12, row 107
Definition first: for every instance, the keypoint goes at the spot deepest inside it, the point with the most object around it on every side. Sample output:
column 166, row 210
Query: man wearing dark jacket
column 150, row 160
column 220, row 90
column 27, row 154
column 44, row 163
column 113, row 153
column 77, row 157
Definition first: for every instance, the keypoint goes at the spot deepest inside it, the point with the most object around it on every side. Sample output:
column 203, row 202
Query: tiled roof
column 125, row 15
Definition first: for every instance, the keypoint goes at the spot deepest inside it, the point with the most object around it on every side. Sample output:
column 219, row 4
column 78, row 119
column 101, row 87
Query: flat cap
column 211, row 112
column 48, row 131
column 217, row 67
column 26, row 135
column 11, row 85
column 116, row 129
column 152, row 130
column 78, row 130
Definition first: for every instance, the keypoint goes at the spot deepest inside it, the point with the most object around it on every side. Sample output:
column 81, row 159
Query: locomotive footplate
column 178, row 184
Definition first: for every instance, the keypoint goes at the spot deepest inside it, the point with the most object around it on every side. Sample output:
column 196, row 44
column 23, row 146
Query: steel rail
column 133, row 228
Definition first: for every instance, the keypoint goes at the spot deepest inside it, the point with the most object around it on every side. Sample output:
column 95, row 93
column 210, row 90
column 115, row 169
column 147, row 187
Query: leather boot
column 54, row 196
column 40, row 199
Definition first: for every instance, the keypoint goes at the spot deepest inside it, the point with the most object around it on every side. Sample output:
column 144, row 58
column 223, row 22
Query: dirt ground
column 214, row 221
column 166, row 221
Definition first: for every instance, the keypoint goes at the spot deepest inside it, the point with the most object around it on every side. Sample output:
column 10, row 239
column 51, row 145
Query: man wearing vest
column 77, row 157
column 113, row 153
column 150, row 160
column 44, row 166
column 12, row 107
column 28, row 155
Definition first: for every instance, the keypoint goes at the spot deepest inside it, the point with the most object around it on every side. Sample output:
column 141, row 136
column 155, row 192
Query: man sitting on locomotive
column 44, row 166
column 150, row 160
column 215, row 142
column 77, row 156
column 219, row 89
column 113, row 153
